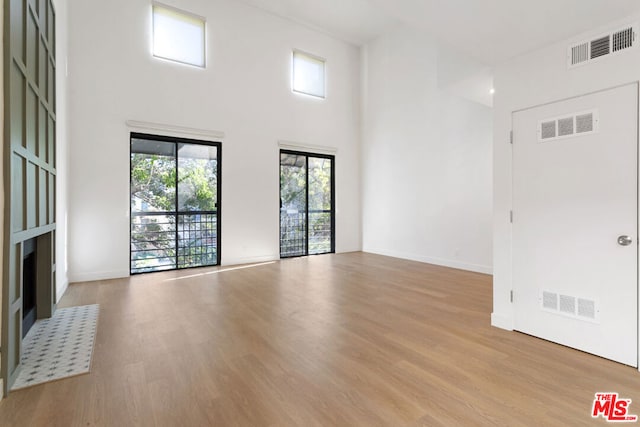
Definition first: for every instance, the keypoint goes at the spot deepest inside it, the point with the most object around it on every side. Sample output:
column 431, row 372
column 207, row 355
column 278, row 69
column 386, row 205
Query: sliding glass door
column 307, row 213
column 175, row 188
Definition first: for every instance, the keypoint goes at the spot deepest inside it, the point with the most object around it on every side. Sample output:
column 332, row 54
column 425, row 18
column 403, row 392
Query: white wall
column 244, row 92
column 526, row 81
column 62, row 146
column 426, row 155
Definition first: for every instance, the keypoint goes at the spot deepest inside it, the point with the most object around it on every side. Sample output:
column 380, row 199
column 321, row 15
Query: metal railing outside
column 166, row 241
column 293, row 232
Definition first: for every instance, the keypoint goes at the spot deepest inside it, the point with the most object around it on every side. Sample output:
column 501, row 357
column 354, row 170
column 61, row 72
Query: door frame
column 635, row 83
column 308, row 154
column 177, row 141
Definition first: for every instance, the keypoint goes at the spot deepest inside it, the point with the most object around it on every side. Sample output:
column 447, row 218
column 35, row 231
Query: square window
column 178, row 36
column 308, row 74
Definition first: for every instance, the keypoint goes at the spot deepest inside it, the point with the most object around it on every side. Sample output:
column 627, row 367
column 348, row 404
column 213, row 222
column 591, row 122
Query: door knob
column 625, row 240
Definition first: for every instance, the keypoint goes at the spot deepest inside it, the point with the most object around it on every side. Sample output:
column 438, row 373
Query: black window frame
column 177, row 212
column 333, row 201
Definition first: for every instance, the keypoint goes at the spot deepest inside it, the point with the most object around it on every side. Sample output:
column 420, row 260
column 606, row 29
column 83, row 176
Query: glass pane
column 153, row 192
column 178, row 36
column 308, row 74
column 198, row 193
column 293, row 201
column 319, row 205
column 153, row 176
column 153, row 242
column 197, row 178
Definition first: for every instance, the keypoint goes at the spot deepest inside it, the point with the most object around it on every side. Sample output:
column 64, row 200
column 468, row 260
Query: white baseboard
column 248, row 260
column 501, row 321
column 348, row 250
column 485, row 269
column 61, row 288
column 117, row 274
column 97, row 275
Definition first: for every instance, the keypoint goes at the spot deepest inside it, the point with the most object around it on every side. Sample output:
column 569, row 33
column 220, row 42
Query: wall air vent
column 565, row 126
column 579, row 53
column 569, row 306
column 584, row 123
column 601, row 47
column 605, row 45
column 548, row 130
column 623, row 39
column 570, row 125
column 549, row 301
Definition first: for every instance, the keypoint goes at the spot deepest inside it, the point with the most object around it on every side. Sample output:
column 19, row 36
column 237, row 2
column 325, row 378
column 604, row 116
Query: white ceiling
column 355, row 21
column 490, row 31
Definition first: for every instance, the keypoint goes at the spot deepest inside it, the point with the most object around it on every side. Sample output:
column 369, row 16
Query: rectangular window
column 178, row 36
column 308, row 74
column 175, row 214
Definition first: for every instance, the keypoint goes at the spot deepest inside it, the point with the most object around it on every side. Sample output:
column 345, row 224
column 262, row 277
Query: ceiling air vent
column 605, row 45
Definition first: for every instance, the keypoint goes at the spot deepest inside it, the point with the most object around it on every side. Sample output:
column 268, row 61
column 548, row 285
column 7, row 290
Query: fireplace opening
column 29, row 286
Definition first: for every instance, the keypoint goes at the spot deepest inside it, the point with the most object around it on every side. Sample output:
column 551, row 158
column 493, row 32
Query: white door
column 575, row 223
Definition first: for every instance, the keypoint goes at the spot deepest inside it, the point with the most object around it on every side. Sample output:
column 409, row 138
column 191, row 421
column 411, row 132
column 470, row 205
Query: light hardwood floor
column 338, row 340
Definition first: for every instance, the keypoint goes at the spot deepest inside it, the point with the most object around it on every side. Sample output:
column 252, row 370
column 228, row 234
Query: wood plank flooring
column 338, row 340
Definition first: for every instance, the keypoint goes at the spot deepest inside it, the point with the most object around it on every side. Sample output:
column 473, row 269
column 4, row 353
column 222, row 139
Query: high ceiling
column 490, row 31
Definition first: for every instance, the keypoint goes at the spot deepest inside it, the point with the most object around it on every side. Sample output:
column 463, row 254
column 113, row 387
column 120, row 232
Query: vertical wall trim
column 6, row 149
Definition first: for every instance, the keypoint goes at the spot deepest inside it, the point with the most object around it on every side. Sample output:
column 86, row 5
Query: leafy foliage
column 293, row 185
column 197, row 185
column 153, row 182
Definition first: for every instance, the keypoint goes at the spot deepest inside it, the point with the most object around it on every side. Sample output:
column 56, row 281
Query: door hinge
column 511, row 296
column 511, row 217
column 511, row 137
